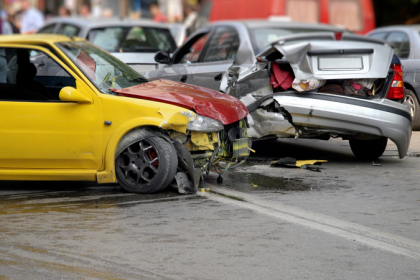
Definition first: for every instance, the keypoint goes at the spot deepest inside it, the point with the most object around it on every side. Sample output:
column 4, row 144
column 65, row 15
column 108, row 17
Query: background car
column 132, row 41
column 233, row 57
column 72, row 111
column 406, row 40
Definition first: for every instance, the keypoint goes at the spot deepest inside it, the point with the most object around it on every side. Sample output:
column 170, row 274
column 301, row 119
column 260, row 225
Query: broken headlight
column 204, row 124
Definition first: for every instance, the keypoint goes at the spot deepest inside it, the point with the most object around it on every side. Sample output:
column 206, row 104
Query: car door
column 184, row 60
column 217, row 57
column 38, row 130
column 402, row 49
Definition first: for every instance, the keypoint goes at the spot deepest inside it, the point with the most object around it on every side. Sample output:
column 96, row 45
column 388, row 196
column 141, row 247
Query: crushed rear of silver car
column 315, row 114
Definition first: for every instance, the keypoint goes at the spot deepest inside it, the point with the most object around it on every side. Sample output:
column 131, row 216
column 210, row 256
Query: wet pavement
column 352, row 220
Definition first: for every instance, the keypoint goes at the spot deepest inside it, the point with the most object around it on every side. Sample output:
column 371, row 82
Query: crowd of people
column 29, row 19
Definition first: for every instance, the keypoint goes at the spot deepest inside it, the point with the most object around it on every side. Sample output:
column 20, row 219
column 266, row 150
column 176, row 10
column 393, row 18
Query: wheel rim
column 409, row 101
column 138, row 165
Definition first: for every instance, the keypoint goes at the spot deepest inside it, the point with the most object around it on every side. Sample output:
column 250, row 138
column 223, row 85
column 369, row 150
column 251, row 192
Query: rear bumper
column 348, row 115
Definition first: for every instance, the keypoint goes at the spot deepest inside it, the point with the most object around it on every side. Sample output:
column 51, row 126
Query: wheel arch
column 108, row 174
column 410, row 87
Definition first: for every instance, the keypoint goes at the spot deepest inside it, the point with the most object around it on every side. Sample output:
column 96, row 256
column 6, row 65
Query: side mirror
column 163, row 57
column 74, row 95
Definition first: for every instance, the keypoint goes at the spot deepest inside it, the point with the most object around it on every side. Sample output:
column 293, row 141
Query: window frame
column 212, row 35
column 53, row 57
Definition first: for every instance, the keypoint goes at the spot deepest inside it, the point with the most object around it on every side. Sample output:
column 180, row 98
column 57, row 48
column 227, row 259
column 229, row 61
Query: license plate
column 340, row 63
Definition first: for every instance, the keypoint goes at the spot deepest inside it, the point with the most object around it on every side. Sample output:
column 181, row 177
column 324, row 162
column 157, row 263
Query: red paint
column 206, row 102
column 262, row 9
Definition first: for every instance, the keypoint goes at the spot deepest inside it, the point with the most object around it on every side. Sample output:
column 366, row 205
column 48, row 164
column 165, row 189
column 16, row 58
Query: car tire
column 411, row 100
column 146, row 166
column 368, row 149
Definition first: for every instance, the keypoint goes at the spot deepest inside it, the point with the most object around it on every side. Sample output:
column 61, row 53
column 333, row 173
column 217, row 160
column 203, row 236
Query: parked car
column 233, row 57
column 134, row 42
column 72, row 111
column 406, row 40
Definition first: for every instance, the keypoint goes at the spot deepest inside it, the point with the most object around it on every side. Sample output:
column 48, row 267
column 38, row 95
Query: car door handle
column 218, row 77
column 183, row 79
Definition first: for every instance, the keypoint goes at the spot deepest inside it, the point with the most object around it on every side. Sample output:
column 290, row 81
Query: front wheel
column 147, row 166
column 368, row 149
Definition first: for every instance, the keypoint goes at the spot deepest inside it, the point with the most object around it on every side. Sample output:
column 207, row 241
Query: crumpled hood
column 206, row 102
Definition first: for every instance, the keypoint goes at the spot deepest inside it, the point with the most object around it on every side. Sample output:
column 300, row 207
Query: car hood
column 203, row 101
column 321, row 56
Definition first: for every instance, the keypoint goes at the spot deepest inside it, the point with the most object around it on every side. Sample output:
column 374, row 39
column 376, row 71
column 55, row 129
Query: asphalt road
column 352, row 220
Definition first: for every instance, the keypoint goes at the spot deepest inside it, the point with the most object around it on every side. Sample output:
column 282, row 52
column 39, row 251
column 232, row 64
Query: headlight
column 205, row 124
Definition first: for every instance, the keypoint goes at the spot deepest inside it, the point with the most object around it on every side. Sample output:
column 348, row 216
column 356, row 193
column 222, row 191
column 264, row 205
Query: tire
column 410, row 99
column 368, row 149
column 146, row 166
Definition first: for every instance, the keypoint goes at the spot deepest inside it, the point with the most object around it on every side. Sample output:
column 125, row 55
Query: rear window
column 132, row 39
column 261, row 37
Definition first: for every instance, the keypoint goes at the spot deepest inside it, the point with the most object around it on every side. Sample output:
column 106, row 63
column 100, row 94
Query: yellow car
column 71, row 111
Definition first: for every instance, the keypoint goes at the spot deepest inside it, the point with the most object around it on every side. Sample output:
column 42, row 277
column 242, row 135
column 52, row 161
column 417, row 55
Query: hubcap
column 409, row 102
column 139, row 163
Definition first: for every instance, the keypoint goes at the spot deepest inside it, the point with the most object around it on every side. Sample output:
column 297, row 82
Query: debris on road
column 312, row 165
column 376, row 164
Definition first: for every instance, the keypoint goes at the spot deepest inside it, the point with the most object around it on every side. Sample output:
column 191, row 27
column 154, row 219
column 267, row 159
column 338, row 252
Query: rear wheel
column 368, row 149
column 146, row 166
column 411, row 101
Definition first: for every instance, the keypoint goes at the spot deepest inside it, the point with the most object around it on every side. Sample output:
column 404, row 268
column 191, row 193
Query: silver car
column 407, row 46
column 134, row 42
column 233, row 57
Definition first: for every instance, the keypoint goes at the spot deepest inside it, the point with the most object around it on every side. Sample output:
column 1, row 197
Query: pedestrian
column 84, row 10
column 157, row 14
column 32, row 19
column 5, row 29
column 63, row 11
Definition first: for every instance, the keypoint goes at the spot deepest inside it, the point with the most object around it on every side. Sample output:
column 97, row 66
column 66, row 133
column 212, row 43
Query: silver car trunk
column 322, row 115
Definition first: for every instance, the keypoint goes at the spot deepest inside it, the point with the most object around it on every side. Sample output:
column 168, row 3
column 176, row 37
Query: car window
column 31, row 75
column 195, row 50
column 132, row 39
column 68, row 30
column 223, row 45
column 380, row 35
column 401, row 42
column 47, row 29
column 105, row 71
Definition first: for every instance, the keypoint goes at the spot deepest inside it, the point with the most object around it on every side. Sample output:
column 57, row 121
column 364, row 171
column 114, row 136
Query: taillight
column 396, row 91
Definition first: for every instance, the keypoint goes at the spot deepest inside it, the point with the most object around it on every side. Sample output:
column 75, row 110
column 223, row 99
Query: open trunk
column 326, row 65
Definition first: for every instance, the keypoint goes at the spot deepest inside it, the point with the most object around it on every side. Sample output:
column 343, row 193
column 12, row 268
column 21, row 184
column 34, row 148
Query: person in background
column 32, row 19
column 190, row 16
column 63, row 11
column 156, row 13
column 84, row 11
column 5, row 29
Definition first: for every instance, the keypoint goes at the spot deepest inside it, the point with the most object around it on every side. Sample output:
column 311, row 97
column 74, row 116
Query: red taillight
column 338, row 36
column 396, row 91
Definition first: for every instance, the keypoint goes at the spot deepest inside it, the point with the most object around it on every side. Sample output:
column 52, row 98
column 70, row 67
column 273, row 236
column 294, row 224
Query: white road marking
column 351, row 231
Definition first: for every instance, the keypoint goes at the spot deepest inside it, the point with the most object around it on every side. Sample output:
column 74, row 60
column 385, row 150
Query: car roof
column 37, row 39
column 282, row 24
column 101, row 22
column 395, row 27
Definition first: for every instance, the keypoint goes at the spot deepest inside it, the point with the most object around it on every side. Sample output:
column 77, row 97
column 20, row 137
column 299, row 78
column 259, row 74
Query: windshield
column 132, row 39
column 261, row 37
column 104, row 70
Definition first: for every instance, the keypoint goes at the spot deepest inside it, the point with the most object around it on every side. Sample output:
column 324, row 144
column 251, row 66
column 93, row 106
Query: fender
column 108, row 175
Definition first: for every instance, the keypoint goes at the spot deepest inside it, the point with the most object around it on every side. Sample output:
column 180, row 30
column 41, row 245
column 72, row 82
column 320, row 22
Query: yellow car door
column 37, row 129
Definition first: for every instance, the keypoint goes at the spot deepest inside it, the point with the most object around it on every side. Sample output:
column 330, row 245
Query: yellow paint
column 203, row 141
column 68, row 140
column 300, row 163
